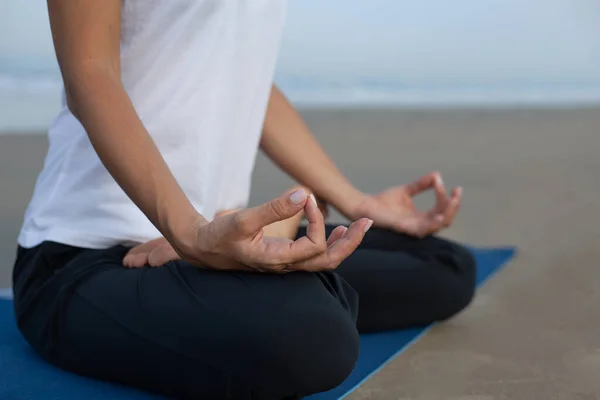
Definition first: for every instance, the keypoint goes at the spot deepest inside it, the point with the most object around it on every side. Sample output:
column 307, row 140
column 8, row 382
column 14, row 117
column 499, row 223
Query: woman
column 166, row 103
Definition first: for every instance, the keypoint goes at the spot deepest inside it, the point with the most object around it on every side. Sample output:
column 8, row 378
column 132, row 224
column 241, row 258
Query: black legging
column 193, row 333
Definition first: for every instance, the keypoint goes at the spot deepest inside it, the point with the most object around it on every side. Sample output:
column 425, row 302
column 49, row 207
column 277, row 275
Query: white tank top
column 199, row 73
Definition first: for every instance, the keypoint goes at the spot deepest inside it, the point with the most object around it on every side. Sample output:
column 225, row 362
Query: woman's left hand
column 155, row 253
column 394, row 208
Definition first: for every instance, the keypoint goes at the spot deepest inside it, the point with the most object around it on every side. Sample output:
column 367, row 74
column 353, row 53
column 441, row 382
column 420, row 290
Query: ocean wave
column 340, row 95
column 367, row 91
column 12, row 83
column 28, row 102
column 32, row 102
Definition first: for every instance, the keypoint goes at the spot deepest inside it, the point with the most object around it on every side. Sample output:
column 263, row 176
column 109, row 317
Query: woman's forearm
column 289, row 143
column 86, row 37
column 98, row 99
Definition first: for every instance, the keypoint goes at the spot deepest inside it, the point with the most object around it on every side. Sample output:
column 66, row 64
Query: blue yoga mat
column 25, row 376
column 377, row 349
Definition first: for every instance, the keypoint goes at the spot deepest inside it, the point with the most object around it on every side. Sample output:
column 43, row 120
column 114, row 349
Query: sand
column 531, row 179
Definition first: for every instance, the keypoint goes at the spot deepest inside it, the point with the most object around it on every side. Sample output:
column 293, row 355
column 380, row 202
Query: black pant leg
column 406, row 282
column 192, row 333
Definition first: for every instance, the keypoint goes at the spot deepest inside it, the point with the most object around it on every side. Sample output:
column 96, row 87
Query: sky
column 24, row 32
column 421, row 42
column 445, row 41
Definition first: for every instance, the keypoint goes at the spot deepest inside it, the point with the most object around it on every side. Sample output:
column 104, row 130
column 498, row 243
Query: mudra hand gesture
column 235, row 241
column 394, row 208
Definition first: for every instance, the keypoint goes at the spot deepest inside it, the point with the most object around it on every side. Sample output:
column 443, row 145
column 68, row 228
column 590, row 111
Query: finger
column 128, row 257
column 252, row 220
column 418, row 226
column 137, row 256
column 271, row 253
column 323, row 207
column 441, row 196
column 162, row 255
column 421, row 184
column 336, row 234
column 136, row 260
column 315, row 230
column 339, row 250
column 453, row 206
column 314, row 243
column 435, row 225
column 144, row 247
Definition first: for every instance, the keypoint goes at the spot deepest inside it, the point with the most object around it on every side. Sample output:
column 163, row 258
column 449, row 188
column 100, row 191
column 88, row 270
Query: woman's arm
column 288, row 142
column 86, row 36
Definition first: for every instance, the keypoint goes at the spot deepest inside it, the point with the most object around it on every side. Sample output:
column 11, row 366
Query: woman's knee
column 296, row 336
column 324, row 354
column 459, row 288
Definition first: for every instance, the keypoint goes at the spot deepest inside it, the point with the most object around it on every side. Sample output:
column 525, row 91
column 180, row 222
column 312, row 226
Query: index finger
column 315, row 230
column 421, row 184
column 453, row 206
column 276, row 252
column 338, row 251
column 311, row 245
column 441, row 197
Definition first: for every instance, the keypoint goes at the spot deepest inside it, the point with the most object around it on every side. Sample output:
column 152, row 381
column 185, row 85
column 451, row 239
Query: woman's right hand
column 236, row 241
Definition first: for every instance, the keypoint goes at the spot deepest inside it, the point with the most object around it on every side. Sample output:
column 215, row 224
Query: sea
column 30, row 95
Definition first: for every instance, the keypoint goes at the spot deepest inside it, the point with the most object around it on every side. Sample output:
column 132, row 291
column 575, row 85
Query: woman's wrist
column 346, row 200
column 182, row 229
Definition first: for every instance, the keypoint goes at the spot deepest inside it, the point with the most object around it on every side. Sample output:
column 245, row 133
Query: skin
column 157, row 252
column 288, row 142
column 86, row 35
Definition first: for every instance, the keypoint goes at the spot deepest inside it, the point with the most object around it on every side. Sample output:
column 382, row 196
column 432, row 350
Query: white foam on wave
column 15, row 84
column 30, row 103
column 432, row 97
column 376, row 92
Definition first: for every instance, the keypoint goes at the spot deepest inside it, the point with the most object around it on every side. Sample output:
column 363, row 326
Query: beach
column 531, row 180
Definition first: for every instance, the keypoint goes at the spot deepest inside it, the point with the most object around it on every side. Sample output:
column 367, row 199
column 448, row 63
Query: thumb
column 279, row 209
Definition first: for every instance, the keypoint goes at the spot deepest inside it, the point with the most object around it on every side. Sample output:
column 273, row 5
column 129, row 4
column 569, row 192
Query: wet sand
column 531, row 179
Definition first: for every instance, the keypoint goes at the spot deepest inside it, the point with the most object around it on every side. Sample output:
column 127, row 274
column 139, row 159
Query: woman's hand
column 394, row 208
column 159, row 251
column 154, row 253
column 236, row 241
